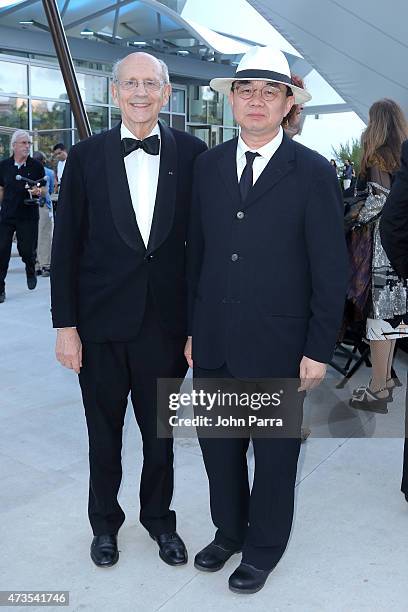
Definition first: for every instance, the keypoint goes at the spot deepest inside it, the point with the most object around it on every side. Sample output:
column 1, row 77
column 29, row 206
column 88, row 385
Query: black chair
column 353, row 348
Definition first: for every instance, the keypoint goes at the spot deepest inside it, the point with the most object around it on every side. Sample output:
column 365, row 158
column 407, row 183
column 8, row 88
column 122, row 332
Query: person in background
column 394, row 238
column 46, row 222
column 60, row 154
column 387, row 303
column 347, row 174
column 333, row 165
column 16, row 214
column 293, row 122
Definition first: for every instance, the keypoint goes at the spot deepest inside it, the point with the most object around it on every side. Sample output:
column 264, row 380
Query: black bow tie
column 150, row 145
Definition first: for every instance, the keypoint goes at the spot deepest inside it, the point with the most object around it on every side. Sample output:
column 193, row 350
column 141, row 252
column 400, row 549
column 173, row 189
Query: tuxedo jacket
column 101, row 271
column 268, row 276
column 394, row 219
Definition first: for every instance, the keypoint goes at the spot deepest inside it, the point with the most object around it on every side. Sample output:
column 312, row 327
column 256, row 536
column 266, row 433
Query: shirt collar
column 267, row 151
column 24, row 163
column 126, row 133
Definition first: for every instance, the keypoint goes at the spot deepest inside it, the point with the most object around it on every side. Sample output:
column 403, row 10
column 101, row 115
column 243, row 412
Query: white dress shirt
column 60, row 169
column 265, row 154
column 142, row 171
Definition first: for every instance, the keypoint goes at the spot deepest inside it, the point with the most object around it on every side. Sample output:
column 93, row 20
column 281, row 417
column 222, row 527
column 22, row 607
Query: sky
column 320, row 134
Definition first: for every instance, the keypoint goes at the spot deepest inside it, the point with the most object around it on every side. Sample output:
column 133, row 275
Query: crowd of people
column 28, row 185
column 242, row 277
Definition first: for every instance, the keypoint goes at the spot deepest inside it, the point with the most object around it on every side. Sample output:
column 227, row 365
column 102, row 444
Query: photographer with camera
column 21, row 185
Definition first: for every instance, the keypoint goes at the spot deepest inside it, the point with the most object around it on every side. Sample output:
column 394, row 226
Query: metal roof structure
column 105, row 30
column 360, row 48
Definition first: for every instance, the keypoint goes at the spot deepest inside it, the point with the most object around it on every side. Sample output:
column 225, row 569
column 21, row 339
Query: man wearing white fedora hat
column 268, row 276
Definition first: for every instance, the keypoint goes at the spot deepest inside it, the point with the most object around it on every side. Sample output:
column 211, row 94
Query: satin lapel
column 166, row 190
column 118, row 190
column 228, row 169
column 282, row 162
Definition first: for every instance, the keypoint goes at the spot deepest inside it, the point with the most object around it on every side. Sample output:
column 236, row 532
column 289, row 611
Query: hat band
column 267, row 75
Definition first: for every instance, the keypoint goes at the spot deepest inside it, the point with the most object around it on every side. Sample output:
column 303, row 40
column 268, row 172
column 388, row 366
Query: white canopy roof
column 360, row 48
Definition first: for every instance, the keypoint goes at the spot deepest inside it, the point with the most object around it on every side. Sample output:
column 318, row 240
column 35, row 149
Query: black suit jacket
column 267, row 285
column 394, row 219
column 101, row 270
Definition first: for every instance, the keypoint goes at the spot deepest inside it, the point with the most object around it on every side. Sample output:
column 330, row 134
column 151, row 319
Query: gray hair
column 163, row 66
column 39, row 156
column 18, row 134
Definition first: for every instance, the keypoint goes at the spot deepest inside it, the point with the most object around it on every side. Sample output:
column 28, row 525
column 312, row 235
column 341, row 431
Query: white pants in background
column 45, row 229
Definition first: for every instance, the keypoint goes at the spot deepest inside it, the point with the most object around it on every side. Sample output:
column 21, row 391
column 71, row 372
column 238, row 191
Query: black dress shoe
column 31, row 282
column 171, row 548
column 213, row 558
column 247, row 579
column 104, row 550
column 2, row 296
column 406, row 496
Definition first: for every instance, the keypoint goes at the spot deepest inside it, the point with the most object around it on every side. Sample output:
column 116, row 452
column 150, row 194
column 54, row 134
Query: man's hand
column 34, row 192
column 188, row 350
column 68, row 349
column 311, row 373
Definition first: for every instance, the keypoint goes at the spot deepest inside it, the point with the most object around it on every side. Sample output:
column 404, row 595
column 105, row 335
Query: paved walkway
column 348, row 549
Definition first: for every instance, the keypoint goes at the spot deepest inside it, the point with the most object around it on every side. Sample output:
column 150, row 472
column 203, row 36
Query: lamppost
column 67, row 67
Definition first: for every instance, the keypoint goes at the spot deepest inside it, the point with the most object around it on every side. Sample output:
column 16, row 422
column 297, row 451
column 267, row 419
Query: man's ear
column 231, row 98
column 167, row 89
column 114, row 92
column 290, row 101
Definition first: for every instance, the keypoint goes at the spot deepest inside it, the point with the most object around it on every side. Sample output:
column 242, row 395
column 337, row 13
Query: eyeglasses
column 133, row 84
column 247, row 91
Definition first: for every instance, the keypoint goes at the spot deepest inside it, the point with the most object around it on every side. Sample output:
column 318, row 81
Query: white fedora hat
column 262, row 64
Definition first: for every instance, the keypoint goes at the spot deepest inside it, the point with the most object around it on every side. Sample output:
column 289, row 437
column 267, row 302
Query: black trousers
column 27, row 237
column 257, row 521
column 109, row 373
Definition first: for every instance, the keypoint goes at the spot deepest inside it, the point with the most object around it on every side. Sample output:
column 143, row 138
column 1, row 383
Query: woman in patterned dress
column 388, row 302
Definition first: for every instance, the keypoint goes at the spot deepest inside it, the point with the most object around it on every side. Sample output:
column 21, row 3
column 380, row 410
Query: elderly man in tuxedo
column 267, row 275
column 394, row 238
column 118, row 293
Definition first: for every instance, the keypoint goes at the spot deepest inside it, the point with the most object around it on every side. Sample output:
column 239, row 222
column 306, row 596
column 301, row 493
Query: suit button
column 149, row 257
column 234, row 257
column 240, row 215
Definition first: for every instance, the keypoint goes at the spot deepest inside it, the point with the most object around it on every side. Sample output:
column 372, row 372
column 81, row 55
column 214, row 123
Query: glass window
column 51, row 117
column 115, row 116
column 98, row 118
column 228, row 117
column 178, row 122
column 203, row 133
column 14, row 112
column 45, row 141
column 165, row 117
column 227, row 134
column 13, row 78
column 5, row 145
column 197, row 107
column 215, row 111
column 93, row 88
column 178, row 104
column 47, row 83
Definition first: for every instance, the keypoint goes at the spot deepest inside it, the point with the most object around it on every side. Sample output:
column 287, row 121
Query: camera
column 32, row 201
